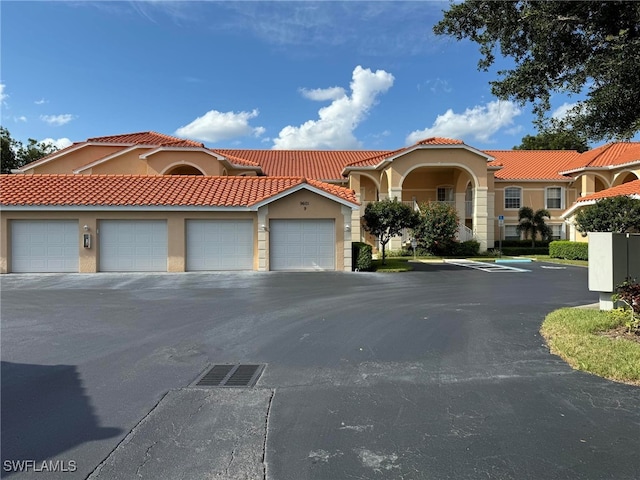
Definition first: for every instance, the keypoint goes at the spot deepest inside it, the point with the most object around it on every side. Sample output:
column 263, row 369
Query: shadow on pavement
column 45, row 412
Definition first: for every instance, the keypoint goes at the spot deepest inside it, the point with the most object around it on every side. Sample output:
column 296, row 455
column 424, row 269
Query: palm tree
column 534, row 223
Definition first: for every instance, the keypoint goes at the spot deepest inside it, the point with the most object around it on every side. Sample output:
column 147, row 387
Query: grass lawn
column 392, row 265
column 577, row 336
column 547, row 258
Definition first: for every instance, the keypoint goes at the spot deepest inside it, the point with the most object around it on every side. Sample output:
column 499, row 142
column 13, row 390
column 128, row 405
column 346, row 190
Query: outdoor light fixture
column 86, row 228
column 347, row 227
column 263, row 228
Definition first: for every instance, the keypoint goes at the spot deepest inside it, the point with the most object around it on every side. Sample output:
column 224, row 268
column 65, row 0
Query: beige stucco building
column 152, row 202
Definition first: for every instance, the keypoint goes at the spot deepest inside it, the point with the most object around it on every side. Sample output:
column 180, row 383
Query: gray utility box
column 613, row 259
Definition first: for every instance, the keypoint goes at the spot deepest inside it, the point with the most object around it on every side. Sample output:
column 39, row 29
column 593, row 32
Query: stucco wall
column 301, row 204
column 74, row 160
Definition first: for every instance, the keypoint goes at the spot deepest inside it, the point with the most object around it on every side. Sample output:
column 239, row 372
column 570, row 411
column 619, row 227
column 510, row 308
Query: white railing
column 464, row 233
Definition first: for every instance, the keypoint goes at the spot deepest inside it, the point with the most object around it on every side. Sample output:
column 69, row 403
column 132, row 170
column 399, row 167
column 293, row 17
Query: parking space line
column 485, row 267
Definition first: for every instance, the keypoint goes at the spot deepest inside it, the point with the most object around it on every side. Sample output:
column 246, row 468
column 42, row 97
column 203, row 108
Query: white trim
column 607, row 167
column 125, row 208
column 182, row 163
column 181, row 149
column 305, row 186
column 54, row 156
column 504, row 197
column 390, row 159
column 443, row 164
column 579, row 204
column 105, row 159
column 562, row 197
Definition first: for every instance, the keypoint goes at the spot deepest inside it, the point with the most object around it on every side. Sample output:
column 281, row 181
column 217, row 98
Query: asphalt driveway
column 438, row 373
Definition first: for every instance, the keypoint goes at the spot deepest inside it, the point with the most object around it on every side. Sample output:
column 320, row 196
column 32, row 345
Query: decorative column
column 481, row 218
column 347, row 226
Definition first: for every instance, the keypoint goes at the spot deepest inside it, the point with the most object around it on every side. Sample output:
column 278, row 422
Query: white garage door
column 219, row 245
column 44, row 246
column 133, row 246
column 302, row 245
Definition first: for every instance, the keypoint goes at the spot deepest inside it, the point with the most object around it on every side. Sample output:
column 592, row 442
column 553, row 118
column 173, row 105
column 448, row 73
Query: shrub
column 470, row 248
column 515, row 251
column 569, row 250
column 629, row 293
column 437, row 228
column 520, row 243
column 361, row 255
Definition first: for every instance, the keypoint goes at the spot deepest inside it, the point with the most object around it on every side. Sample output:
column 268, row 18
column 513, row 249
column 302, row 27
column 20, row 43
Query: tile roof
column 531, row 164
column 146, row 138
column 629, row 188
column 318, row 164
column 609, row 155
column 159, row 190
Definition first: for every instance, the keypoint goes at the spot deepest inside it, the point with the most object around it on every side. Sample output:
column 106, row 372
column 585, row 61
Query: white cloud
column 337, row 121
column 21, row 118
column 57, row 120
column 3, row 96
column 561, row 112
column 42, row 101
column 323, row 94
column 60, row 143
column 477, row 123
column 214, row 126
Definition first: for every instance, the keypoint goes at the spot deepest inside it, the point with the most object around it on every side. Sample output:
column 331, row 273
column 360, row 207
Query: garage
column 133, row 245
column 219, row 245
column 41, row 246
column 302, row 244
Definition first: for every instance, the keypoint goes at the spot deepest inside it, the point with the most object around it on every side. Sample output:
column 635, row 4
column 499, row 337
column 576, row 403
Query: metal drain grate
column 231, row 376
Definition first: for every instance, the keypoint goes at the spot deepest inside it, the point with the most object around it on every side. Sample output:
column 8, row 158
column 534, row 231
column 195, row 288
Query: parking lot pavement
column 437, row 373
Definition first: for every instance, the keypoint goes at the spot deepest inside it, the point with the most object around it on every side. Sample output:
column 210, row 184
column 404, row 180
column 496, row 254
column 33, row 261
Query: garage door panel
column 133, row 246
column 220, row 245
column 302, row 244
column 44, row 246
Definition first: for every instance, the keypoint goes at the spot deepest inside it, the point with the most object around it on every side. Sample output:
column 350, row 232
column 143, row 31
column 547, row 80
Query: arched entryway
column 183, row 170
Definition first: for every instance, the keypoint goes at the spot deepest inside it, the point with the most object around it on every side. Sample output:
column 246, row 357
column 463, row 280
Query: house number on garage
column 304, row 204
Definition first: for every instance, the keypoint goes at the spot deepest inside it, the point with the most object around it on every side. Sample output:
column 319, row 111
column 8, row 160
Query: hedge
column 361, row 257
column 569, row 250
column 515, row 251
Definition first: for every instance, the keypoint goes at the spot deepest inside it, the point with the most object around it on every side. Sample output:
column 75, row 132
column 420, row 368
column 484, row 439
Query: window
column 511, row 232
column 554, row 197
column 445, row 194
column 512, row 197
column 557, row 232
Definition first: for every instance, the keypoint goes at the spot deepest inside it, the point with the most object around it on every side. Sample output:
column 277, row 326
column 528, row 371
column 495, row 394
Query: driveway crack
column 266, row 434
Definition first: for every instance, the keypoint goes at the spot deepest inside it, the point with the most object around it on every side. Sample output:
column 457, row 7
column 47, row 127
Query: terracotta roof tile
column 609, row 155
column 629, row 188
column 531, row 164
column 146, row 138
column 159, row 190
column 318, row 164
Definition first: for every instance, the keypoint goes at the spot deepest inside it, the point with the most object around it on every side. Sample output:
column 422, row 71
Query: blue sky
column 298, row 75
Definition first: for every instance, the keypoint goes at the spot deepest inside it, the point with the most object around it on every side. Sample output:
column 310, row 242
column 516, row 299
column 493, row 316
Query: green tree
column 34, row 150
column 9, row 147
column 15, row 154
column 534, row 223
column 437, row 228
column 386, row 219
column 578, row 47
column 554, row 139
column 615, row 214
